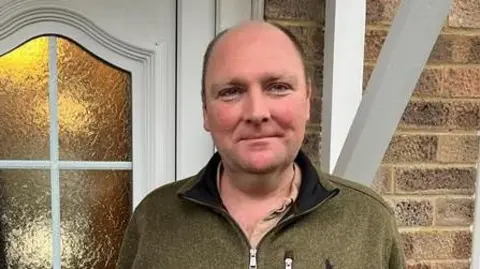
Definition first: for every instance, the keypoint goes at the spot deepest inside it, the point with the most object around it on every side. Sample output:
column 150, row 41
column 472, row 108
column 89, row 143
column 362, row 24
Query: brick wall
column 429, row 170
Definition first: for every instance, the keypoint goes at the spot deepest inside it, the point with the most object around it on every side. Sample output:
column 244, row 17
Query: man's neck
column 251, row 198
column 255, row 187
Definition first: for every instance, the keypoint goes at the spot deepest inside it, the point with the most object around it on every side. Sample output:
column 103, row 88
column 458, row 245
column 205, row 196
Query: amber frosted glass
column 94, row 107
column 24, row 128
column 96, row 207
column 25, row 220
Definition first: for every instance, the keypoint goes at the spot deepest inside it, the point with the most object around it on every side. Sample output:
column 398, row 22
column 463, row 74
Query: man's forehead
column 252, row 32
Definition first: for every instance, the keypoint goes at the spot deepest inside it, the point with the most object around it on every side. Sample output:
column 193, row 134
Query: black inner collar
column 310, row 194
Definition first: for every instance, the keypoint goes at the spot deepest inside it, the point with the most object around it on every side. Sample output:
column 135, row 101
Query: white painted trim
column 194, row 144
column 258, row 9
column 72, row 165
column 54, row 137
column 232, row 12
column 153, row 95
column 66, row 165
column 343, row 74
column 25, row 164
column 390, row 87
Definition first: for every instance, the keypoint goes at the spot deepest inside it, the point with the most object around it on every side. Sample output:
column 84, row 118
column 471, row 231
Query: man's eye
column 280, row 88
column 229, row 93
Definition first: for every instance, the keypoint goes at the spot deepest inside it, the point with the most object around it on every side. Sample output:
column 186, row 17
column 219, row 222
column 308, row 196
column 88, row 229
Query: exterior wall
column 429, row 170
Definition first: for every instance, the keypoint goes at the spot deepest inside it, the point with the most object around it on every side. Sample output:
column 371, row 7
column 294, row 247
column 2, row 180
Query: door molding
column 153, row 97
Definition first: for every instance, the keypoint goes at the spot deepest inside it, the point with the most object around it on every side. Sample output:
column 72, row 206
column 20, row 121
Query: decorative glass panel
column 95, row 107
column 25, row 219
column 96, row 208
column 24, row 102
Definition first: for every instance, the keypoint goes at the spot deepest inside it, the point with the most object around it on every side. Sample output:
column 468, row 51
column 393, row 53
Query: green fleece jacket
column 333, row 224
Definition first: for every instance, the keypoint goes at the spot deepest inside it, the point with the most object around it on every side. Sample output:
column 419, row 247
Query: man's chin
column 261, row 164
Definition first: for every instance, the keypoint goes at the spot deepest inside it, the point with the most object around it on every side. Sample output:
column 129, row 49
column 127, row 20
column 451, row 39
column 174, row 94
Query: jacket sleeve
column 129, row 246
column 397, row 259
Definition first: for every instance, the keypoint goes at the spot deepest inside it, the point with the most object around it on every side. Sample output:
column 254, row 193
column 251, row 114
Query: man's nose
column 256, row 107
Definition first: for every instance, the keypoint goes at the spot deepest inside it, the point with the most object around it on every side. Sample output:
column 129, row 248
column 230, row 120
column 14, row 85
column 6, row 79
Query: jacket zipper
column 288, row 259
column 253, row 252
column 253, row 259
column 288, row 263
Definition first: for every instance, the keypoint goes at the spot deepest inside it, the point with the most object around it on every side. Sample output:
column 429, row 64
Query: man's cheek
column 288, row 116
column 224, row 121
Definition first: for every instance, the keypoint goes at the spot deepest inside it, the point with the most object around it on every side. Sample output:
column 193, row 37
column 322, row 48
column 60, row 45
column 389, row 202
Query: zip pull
column 253, row 259
column 288, row 259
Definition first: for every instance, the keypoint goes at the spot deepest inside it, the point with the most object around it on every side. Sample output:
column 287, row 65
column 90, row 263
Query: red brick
column 456, row 49
column 435, row 180
column 434, row 245
column 411, row 149
column 312, row 40
column 425, row 114
column 382, row 10
column 315, row 111
column 462, row 82
column 410, row 212
column 464, row 115
column 455, row 211
column 317, row 80
column 374, row 40
column 382, row 182
column 465, row 14
column 311, row 145
column 458, row 148
column 310, row 10
column 429, row 84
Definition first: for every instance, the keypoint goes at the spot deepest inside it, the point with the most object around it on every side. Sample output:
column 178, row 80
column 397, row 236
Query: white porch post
column 406, row 49
column 343, row 74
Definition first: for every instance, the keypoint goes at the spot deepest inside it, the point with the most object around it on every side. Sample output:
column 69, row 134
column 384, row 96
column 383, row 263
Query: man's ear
column 311, row 90
column 206, row 123
column 310, row 94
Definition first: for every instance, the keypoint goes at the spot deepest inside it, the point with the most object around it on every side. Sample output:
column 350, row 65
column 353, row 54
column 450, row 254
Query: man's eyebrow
column 268, row 78
column 265, row 79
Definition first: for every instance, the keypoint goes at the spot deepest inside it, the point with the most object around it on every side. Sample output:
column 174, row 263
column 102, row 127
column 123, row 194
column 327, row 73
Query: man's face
column 257, row 100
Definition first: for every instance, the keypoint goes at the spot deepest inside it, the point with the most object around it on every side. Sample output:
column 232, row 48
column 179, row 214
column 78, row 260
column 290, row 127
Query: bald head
column 268, row 34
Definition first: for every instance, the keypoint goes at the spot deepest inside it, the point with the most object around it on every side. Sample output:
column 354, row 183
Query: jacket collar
column 314, row 189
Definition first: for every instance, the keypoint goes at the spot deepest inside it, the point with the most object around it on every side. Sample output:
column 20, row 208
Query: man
column 259, row 202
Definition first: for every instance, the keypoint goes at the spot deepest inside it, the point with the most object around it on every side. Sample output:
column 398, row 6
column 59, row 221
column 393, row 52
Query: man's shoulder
column 166, row 195
column 358, row 194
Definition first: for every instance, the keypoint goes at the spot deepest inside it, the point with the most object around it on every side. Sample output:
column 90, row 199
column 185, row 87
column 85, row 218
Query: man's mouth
column 259, row 137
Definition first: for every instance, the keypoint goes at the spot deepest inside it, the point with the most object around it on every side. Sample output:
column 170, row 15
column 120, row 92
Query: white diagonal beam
column 406, row 49
column 343, row 74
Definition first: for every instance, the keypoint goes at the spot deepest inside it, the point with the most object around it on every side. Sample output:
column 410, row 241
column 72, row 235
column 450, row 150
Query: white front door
column 87, row 125
column 99, row 104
